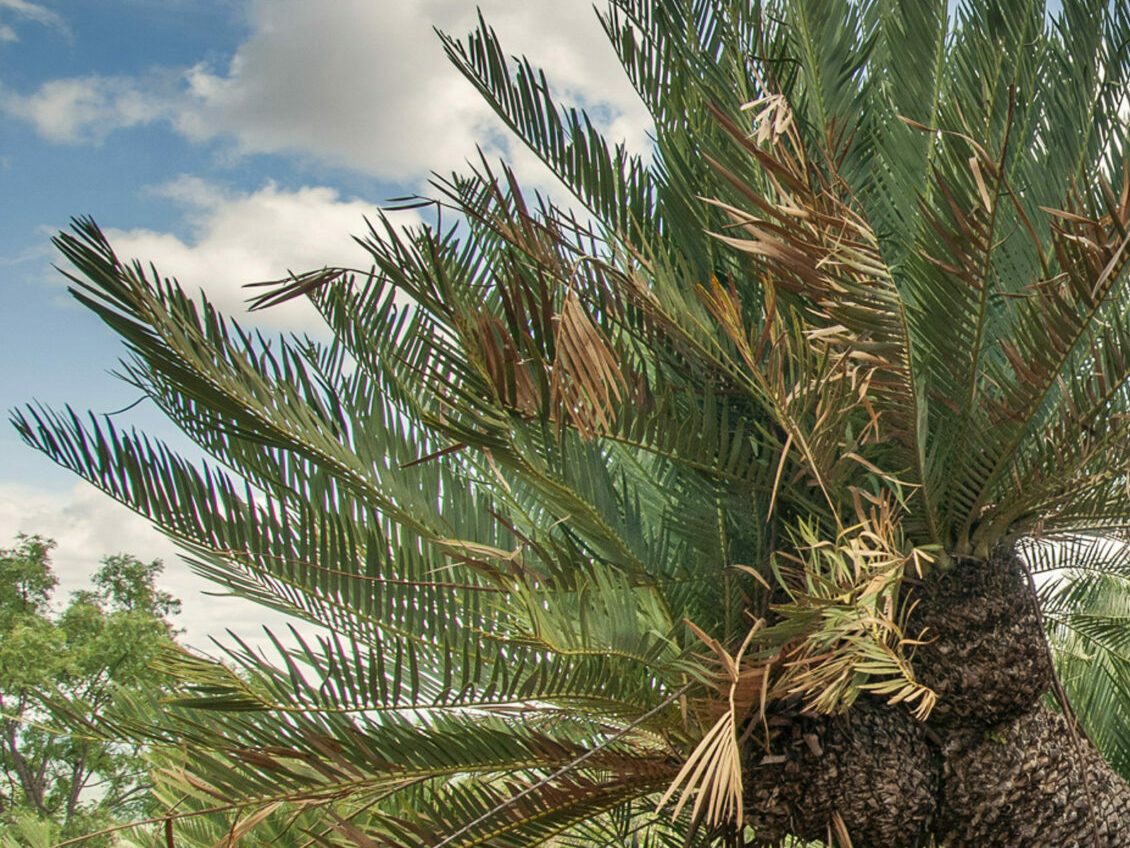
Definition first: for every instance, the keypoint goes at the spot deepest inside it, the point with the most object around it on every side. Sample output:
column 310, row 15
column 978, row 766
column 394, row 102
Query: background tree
column 88, row 655
column 726, row 498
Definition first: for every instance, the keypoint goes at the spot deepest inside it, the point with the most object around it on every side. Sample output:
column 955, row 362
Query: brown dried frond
column 506, row 370
column 712, row 774
column 587, row 383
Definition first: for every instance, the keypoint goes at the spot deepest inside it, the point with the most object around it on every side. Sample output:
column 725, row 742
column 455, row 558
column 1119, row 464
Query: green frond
column 1084, row 591
column 614, row 184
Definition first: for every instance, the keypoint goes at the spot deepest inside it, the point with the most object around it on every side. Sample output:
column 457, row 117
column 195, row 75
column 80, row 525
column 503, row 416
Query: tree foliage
column 83, row 659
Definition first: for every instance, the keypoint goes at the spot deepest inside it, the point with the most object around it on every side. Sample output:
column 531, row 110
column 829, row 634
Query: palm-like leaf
column 1083, row 592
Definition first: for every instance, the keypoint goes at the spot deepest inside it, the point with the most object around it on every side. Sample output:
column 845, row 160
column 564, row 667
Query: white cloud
column 239, row 238
column 86, row 109
column 89, row 525
column 357, row 84
column 368, row 86
column 26, row 11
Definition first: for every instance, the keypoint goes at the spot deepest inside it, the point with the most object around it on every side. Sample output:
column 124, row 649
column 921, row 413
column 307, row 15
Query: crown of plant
column 578, row 496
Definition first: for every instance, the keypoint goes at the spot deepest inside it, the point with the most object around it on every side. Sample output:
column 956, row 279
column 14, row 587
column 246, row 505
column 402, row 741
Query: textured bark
column 986, row 656
column 1020, row 785
column 994, row 768
column 873, row 766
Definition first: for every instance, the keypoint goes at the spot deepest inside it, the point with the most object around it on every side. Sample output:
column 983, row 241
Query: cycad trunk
column 993, row 766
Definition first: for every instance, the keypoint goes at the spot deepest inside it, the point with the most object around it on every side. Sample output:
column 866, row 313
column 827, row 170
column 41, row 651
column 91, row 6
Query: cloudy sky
column 227, row 141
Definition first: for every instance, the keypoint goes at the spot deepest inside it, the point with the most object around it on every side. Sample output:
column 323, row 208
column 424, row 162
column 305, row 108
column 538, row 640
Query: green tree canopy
column 100, row 647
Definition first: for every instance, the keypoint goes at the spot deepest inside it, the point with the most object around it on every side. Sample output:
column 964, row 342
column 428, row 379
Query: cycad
column 717, row 497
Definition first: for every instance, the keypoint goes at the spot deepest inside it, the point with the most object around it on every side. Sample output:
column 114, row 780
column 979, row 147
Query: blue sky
column 227, row 141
